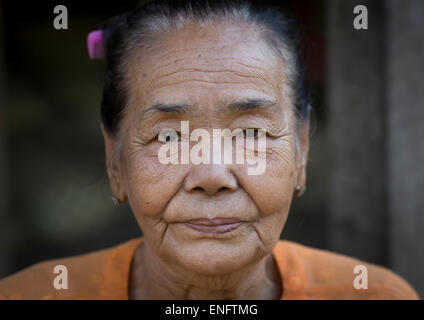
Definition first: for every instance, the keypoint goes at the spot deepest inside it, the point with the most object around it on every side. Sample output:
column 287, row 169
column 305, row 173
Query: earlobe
column 303, row 157
column 112, row 166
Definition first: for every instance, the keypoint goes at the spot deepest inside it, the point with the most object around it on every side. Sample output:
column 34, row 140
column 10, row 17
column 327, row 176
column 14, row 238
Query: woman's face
column 209, row 72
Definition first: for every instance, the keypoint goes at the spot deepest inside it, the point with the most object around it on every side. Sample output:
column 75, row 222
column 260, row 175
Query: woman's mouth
column 214, row 226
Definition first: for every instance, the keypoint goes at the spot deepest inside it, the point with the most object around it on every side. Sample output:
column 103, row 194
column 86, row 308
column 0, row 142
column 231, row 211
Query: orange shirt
column 306, row 273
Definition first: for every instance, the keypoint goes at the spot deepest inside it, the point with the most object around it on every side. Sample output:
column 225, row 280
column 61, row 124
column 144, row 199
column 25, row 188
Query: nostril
column 200, row 189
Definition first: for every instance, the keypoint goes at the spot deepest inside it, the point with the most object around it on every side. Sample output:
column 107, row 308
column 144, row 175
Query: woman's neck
column 150, row 279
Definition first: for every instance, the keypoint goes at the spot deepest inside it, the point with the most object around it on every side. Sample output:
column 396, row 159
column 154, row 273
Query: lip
column 214, row 226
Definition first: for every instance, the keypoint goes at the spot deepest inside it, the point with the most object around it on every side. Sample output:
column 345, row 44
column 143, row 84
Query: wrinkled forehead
column 193, row 64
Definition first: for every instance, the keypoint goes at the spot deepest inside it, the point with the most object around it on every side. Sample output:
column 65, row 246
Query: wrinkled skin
column 206, row 69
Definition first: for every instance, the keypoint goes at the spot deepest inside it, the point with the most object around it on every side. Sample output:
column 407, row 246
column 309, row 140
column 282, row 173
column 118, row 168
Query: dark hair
column 123, row 33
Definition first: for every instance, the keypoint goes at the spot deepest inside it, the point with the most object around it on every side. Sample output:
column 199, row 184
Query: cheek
column 272, row 191
column 149, row 184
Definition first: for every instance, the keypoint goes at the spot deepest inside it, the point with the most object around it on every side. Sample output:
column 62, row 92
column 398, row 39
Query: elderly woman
column 211, row 228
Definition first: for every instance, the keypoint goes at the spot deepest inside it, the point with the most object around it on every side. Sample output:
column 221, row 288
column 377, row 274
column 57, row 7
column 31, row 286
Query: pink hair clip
column 95, row 44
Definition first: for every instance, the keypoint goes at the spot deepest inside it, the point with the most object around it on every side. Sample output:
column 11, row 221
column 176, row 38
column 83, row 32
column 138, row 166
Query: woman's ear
column 302, row 154
column 113, row 166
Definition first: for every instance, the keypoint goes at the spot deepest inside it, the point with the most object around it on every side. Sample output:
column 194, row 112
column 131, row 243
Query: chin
column 213, row 266
column 211, row 257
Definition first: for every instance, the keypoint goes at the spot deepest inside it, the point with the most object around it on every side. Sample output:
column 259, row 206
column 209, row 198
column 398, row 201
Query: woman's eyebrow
column 253, row 104
column 170, row 108
column 164, row 107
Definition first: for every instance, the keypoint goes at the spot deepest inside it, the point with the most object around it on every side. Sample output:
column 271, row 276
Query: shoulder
column 37, row 281
column 323, row 274
column 85, row 274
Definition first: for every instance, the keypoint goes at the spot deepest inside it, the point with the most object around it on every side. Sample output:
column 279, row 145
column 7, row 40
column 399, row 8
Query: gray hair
column 139, row 28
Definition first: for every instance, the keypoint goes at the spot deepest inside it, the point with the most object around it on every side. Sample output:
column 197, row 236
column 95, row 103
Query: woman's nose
column 210, row 179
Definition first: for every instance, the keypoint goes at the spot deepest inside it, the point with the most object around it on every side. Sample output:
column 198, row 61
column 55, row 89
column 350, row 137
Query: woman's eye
column 168, row 135
column 253, row 132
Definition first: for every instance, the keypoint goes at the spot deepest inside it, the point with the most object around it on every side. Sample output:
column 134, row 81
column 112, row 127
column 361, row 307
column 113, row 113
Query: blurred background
column 365, row 195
